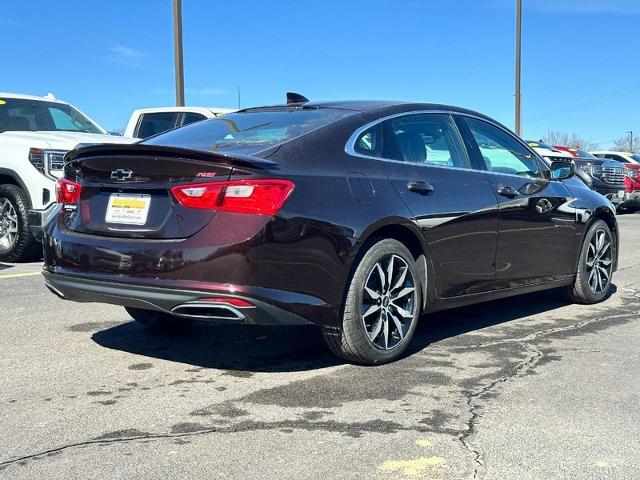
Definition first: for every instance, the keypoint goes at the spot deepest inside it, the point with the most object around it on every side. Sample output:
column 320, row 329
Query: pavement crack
column 355, row 430
column 532, row 359
column 474, row 401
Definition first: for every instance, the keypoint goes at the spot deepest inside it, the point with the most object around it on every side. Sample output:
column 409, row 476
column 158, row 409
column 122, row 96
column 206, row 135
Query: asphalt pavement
column 525, row 388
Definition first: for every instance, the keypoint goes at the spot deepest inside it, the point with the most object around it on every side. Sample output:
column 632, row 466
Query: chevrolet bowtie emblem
column 121, row 174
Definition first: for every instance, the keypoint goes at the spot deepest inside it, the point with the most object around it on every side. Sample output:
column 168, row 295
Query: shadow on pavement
column 5, row 266
column 300, row 348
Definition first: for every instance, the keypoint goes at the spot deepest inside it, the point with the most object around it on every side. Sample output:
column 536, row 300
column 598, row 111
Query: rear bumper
column 38, row 220
column 182, row 302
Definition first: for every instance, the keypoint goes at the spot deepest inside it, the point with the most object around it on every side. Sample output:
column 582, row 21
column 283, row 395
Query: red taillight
column 68, row 191
column 259, row 197
column 236, row 302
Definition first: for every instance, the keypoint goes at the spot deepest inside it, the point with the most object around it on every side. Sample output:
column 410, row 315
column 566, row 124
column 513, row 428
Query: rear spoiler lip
column 86, row 151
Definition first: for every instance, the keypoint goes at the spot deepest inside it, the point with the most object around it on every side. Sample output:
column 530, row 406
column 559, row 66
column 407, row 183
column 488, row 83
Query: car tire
column 595, row 266
column 19, row 245
column 379, row 316
column 159, row 320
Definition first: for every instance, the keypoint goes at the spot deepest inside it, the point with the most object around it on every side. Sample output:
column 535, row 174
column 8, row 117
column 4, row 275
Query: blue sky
column 580, row 57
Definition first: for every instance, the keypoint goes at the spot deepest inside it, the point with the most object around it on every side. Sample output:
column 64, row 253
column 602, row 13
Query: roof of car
column 184, row 109
column 612, row 152
column 365, row 105
column 28, row 97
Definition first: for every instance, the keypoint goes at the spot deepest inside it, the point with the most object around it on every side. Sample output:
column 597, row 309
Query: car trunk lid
column 126, row 191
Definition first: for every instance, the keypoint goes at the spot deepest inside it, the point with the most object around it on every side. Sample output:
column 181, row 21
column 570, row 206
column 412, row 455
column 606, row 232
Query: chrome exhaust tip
column 207, row 311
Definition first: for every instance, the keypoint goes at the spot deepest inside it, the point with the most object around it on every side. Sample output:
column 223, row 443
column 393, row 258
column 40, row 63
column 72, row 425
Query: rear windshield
column 248, row 132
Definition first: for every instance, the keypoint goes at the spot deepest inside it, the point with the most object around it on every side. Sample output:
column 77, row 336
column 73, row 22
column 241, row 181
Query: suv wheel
column 16, row 242
column 158, row 320
column 595, row 266
column 382, row 306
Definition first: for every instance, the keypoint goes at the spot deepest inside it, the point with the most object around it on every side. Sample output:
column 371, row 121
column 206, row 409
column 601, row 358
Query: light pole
column 177, row 51
column 518, row 98
column 630, row 141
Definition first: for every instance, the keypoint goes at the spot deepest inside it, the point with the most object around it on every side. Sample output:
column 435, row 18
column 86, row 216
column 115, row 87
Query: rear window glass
column 248, row 132
column 154, row 123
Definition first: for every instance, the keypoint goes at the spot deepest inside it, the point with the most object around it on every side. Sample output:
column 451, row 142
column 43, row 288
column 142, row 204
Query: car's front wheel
column 159, row 320
column 381, row 308
column 595, row 265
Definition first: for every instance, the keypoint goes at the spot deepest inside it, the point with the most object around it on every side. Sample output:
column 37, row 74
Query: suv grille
column 613, row 175
column 56, row 161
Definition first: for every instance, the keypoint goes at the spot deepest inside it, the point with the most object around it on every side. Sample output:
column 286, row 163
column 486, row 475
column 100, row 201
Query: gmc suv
column 35, row 134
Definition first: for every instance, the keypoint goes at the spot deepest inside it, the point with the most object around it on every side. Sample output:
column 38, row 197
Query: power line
column 604, row 98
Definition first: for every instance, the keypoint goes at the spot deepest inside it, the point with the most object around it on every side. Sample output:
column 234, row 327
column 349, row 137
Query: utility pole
column 631, row 142
column 518, row 98
column 177, row 51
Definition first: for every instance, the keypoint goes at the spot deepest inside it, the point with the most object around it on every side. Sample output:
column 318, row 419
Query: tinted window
column 191, row 117
column 617, row 158
column 154, row 123
column 501, row 152
column 432, row 139
column 584, row 154
column 18, row 114
column 369, row 142
column 250, row 131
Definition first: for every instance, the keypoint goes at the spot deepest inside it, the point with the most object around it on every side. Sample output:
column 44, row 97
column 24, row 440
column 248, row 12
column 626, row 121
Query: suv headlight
column 47, row 161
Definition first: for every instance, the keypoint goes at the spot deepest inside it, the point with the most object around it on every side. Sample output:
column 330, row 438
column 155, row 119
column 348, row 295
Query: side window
column 430, row 139
column 153, row 123
column 501, row 152
column 191, row 117
column 369, row 142
column 617, row 158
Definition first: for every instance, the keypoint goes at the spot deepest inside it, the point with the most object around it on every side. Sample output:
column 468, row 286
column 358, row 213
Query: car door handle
column 507, row 191
column 423, row 188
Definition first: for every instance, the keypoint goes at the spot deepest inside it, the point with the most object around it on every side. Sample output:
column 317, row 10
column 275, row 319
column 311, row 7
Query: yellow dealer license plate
column 128, row 209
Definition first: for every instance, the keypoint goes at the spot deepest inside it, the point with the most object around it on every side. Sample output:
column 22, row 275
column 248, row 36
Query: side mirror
column 562, row 170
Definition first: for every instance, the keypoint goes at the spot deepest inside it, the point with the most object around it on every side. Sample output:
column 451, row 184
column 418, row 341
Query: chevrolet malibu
column 356, row 217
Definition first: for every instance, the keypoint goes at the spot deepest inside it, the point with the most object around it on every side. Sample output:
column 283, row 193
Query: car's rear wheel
column 16, row 242
column 159, row 320
column 595, row 266
column 381, row 308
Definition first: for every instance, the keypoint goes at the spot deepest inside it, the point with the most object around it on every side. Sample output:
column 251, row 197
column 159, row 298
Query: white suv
column 624, row 157
column 35, row 133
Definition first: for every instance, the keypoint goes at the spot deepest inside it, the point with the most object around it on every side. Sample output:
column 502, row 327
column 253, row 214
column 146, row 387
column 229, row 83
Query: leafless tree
column 623, row 144
column 569, row 140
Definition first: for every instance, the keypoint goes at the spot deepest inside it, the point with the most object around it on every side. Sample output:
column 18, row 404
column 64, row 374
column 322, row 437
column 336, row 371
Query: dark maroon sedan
column 354, row 216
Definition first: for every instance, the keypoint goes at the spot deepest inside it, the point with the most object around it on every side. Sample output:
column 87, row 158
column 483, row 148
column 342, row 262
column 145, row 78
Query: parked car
column 35, row 133
column 146, row 122
column 614, row 166
column 624, row 157
column 607, row 177
column 548, row 152
column 356, row 217
column 631, row 163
